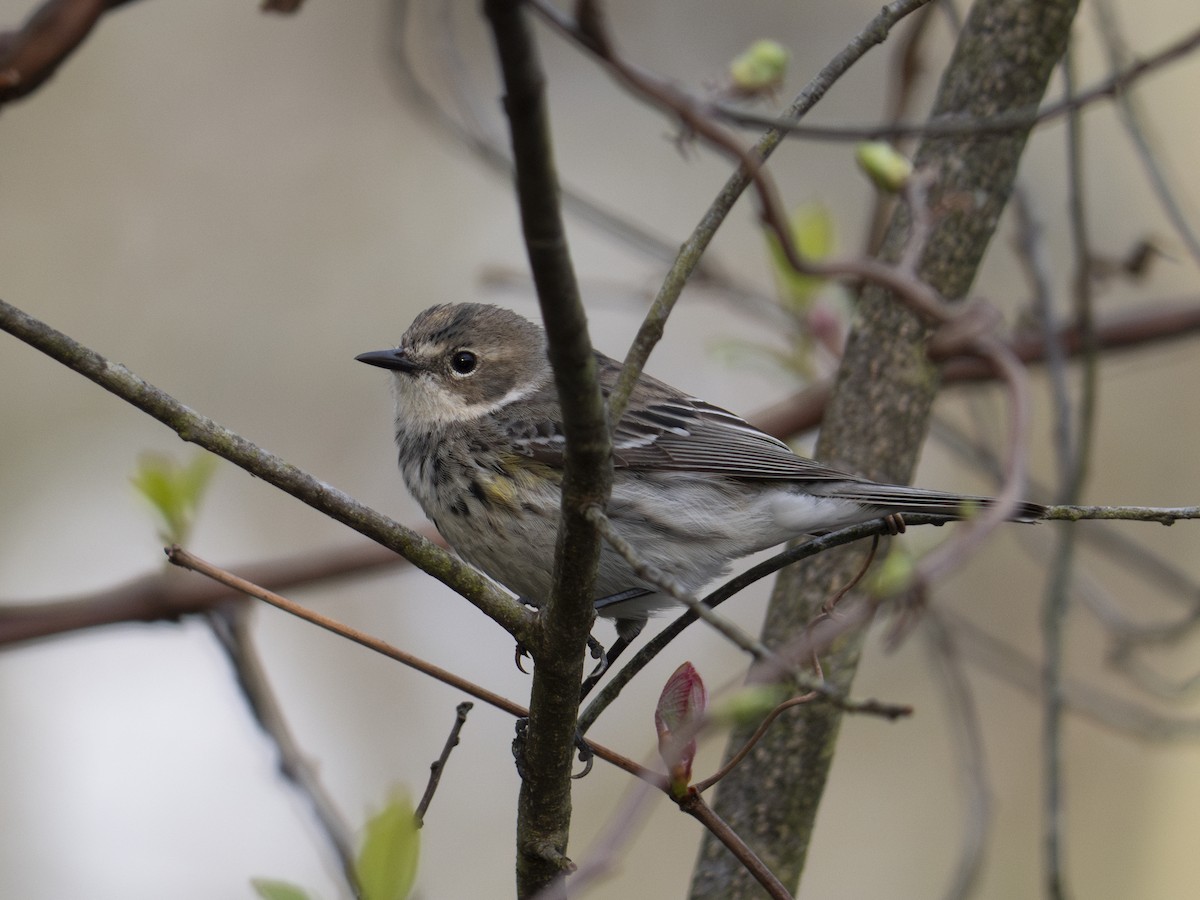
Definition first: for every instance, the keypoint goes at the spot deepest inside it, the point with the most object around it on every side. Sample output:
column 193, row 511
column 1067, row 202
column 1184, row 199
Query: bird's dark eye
column 464, row 362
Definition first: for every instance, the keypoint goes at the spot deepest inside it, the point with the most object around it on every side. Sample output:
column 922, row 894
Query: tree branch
column 204, row 432
column 544, row 806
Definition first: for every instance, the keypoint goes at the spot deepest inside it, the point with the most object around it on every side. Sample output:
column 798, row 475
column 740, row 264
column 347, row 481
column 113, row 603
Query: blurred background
column 234, row 205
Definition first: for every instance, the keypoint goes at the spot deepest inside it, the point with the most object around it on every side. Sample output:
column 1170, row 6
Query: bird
column 479, row 434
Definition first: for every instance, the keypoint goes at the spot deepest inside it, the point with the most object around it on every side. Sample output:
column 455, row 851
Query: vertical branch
column 970, row 751
column 1032, row 245
column 1073, row 465
column 544, row 807
column 877, row 416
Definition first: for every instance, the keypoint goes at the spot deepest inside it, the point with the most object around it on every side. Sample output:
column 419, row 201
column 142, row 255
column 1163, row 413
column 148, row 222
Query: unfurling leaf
column 887, row 167
column 175, row 491
column 677, row 718
column 387, row 863
column 760, row 69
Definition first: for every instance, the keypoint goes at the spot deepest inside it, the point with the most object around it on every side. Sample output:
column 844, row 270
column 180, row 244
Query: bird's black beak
column 396, row 359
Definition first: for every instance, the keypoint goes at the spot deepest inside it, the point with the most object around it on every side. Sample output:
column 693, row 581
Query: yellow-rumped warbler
column 695, row 486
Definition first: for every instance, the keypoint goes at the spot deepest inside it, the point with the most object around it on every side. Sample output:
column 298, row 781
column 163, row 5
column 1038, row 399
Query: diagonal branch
column 204, row 432
column 230, row 627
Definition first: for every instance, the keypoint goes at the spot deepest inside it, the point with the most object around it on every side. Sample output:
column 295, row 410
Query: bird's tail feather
column 901, row 499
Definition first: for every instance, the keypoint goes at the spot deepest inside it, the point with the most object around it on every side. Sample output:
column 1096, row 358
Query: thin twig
column 1076, row 441
column 1005, row 122
column 693, row 804
column 183, row 558
column 669, row 586
column 736, row 758
column 1032, row 252
column 228, row 625
column 1163, row 515
column 438, row 767
column 970, row 753
column 1083, row 302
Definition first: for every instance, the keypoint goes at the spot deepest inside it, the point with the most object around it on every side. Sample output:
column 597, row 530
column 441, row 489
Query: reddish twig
column 701, row 786
column 180, row 557
column 693, row 804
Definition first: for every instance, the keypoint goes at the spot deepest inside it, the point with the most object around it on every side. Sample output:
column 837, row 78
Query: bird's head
column 462, row 361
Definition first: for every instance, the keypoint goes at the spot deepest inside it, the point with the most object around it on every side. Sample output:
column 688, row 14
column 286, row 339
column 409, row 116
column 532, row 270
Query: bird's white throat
column 423, row 401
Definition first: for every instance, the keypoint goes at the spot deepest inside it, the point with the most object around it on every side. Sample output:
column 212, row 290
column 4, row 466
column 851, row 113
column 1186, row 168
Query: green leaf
column 387, row 863
column 269, row 889
column 174, row 491
column 811, row 228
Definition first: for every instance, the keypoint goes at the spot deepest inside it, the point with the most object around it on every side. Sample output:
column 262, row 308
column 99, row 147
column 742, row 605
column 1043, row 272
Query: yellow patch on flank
column 529, row 473
column 498, row 489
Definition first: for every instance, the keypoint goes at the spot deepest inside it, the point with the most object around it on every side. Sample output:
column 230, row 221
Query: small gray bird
column 695, row 487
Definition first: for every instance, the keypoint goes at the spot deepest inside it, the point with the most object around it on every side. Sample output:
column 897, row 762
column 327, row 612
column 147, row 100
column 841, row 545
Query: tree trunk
column 877, row 418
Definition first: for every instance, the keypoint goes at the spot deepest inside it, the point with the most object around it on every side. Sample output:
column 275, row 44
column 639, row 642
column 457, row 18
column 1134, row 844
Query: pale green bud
column 884, row 165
